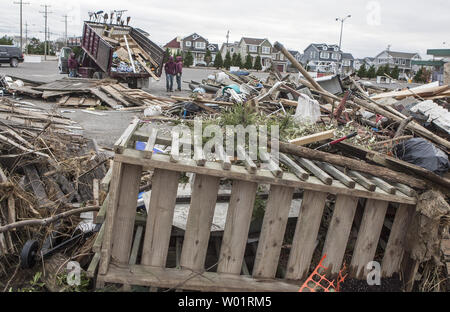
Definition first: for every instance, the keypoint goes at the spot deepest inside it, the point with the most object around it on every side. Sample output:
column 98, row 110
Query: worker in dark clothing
column 73, row 65
column 170, row 69
column 179, row 71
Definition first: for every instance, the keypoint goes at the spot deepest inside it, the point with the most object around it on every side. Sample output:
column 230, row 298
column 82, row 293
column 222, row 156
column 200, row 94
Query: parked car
column 10, row 55
column 63, row 60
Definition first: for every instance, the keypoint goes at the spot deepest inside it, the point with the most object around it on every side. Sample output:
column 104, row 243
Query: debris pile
column 46, row 168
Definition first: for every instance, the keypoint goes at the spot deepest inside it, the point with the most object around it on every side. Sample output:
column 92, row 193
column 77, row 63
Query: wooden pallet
column 317, row 181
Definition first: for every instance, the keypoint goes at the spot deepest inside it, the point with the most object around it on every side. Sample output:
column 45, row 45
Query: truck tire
column 98, row 75
column 14, row 62
column 132, row 83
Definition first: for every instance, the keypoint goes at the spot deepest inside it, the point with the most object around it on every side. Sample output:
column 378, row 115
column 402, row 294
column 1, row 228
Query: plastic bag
column 308, row 110
column 154, row 110
column 424, row 154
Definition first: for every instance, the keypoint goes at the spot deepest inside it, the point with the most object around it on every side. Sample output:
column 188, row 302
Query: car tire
column 14, row 62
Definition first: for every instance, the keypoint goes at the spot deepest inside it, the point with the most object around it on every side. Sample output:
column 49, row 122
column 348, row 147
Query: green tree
column 238, row 60
column 218, row 61
column 371, row 73
column 362, row 72
column 380, row 71
column 248, row 62
column 234, row 59
column 208, row 57
column 395, row 73
column 257, row 65
column 387, row 69
column 166, row 55
column 5, row 40
column 227, row 62
column 188, row 59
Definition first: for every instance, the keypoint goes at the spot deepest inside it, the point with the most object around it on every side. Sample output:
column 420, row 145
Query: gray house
column 198, row 46
column 401, row 59
column 298, row 56
column 348, row 63
column 322, row 57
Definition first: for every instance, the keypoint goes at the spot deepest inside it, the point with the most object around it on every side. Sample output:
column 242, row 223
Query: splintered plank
column 272, row 232
column 338, row 232
column 368, row 236
column 160, row 217
column 395, row 247
column 148, row 151
column 122, row 143
column 237, row 225
column 296, row 169
column 37, row 186
column 316, row 137
column 105, row 98
column 136, row 244
column 125, row 192
column 116, row 95
column 306, row 232
column 198, row 227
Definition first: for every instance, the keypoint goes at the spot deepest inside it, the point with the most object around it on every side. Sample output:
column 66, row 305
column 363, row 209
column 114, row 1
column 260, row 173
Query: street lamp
column 342, row 20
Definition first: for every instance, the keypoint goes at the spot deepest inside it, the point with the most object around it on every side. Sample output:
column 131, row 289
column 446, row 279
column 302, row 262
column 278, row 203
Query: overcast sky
column 406, row 25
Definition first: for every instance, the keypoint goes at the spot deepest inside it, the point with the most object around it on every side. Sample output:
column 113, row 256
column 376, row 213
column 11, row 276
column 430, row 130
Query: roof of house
column 404, row 55
column 214, row 46
column 294, row 52
column 347, row 56
column 174, row 44
column 195, row 34
column 319, row 46
column 253, row 41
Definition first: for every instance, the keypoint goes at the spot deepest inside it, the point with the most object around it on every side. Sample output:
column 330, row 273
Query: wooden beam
column 313, row 138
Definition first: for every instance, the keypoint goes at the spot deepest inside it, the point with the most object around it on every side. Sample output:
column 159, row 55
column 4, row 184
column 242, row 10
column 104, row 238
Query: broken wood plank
column 368, row 236
column 237, row 226
column 296, row 169
column 335, row 173
column 198, row 227
column 393, row 253
column 316, row 171
column 306, row 231
column 272, row 232
column 313, row 138
column 338, row 233
column 160, row 217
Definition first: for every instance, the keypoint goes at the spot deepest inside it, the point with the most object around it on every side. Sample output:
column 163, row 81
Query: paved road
column 104, row 129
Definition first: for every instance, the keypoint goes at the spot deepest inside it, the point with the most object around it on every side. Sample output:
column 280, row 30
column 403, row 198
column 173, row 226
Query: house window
column 403, row 62
column 335, row 56
column 188, row 43
column 311, row 54
column 336, row 49
column 325, row 48
column 346, row 62
column 266, row 50
column 325, row 55
column 252, row 48
column 200, row 45
column 232, row 50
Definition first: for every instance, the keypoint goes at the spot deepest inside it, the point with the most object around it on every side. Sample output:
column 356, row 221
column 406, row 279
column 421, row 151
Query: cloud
column 412, row 25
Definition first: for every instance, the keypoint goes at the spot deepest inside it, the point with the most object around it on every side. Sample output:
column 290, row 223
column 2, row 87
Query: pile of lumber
column 45, row 167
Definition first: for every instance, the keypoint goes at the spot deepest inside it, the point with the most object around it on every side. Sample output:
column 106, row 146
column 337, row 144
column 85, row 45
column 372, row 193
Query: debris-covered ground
column 49, row 168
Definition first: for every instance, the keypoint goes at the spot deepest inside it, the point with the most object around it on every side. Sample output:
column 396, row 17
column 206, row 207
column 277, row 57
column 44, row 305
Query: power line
column 46, row 13
column 21, row 3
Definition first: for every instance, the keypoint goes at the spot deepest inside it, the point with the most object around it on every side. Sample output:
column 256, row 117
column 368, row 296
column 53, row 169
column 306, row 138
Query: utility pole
column 342, row 20
column 228, row 36
column 21, row 3
column 65, row 28
column 26, row 36
column 46, row 13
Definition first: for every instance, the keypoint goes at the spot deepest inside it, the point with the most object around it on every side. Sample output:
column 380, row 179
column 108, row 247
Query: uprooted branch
column 46, row 221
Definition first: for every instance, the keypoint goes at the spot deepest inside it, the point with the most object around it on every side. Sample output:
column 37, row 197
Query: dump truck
column 101, row 43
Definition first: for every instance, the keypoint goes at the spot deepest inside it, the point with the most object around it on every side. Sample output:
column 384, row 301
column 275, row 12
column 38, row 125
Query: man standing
column 179, row 71
column 170, row 69
column 73, row 65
